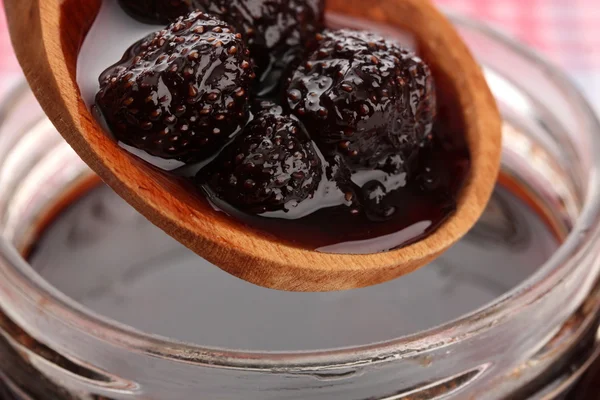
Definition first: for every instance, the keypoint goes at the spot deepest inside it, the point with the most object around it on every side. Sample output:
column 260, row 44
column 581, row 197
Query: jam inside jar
column 131, row 262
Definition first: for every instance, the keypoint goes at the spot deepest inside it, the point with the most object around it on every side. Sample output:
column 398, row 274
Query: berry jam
column 360, row 149
column 180, row 93
column 404, row 215
column 101, row 253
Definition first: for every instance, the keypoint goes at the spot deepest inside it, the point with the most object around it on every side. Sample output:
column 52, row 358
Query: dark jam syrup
column 426, row 200
column 104, row 255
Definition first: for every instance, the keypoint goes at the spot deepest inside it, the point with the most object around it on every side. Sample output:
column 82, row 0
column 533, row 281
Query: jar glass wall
column 503, row 345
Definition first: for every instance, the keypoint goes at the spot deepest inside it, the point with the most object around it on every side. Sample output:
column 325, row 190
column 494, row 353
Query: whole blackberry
column 272, row 166
column 180, row 93
column 277, row 30
column 363, row 97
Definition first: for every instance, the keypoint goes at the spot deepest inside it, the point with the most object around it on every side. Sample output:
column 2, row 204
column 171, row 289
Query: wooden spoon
column 47, row 35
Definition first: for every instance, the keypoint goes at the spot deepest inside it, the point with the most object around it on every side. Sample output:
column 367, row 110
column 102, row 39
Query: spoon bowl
column 47, row 36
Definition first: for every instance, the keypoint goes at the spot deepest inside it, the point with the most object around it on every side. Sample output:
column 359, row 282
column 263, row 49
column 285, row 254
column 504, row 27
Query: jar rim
column 586, row 230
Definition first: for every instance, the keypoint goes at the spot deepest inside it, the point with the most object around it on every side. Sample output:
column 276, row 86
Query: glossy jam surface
column 412, row 208
column 106, row 256
column 346, row 195
column 186, row 110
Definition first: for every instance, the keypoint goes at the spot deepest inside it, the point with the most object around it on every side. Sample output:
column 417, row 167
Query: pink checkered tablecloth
column 566, row 31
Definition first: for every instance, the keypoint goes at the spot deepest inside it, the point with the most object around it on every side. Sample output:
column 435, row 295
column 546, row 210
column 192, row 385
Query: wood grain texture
column 47, row 35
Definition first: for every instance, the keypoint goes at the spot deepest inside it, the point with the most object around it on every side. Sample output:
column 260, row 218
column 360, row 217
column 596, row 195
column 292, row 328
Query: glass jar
column 534, row 341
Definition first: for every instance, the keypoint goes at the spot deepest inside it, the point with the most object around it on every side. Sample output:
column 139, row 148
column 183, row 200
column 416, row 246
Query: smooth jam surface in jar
column 106, row 256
